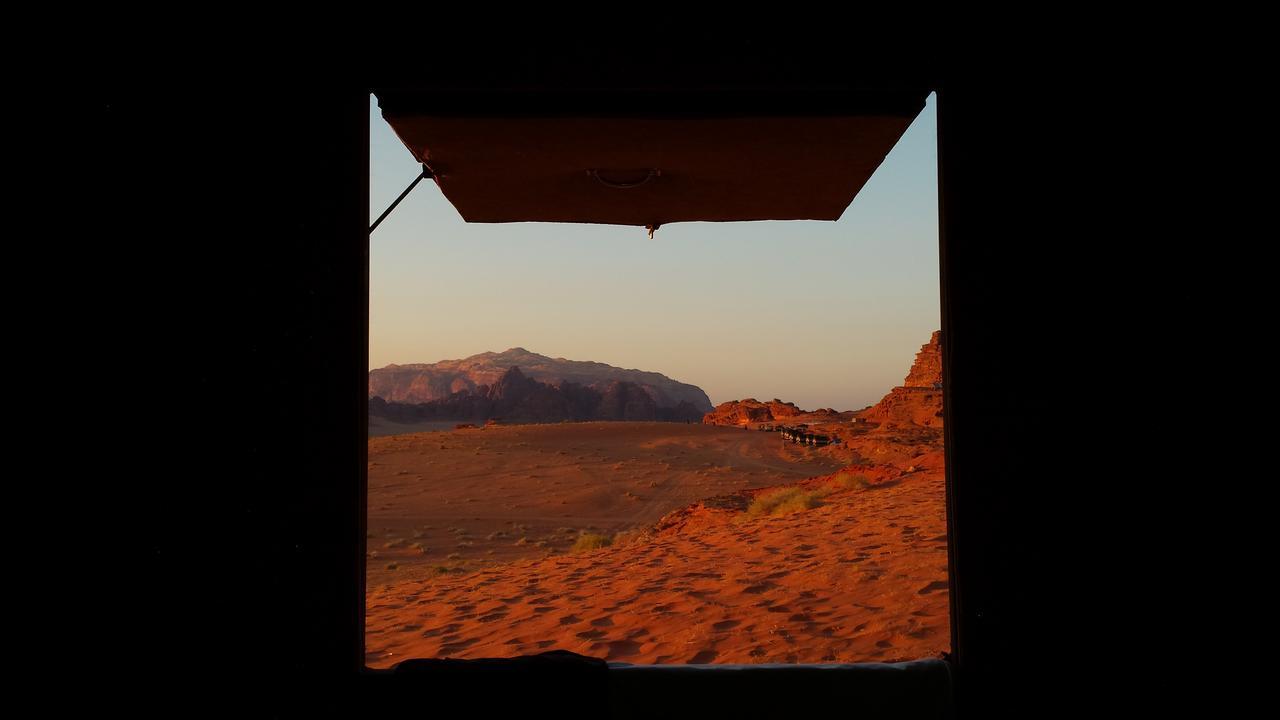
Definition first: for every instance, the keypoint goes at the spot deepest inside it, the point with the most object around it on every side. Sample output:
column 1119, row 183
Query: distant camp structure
column 801, row 436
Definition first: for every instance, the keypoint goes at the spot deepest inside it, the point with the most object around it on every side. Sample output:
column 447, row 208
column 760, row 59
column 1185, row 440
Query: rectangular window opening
column 722, row 444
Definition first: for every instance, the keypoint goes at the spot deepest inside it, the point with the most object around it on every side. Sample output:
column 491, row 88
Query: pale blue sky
column 705, row 303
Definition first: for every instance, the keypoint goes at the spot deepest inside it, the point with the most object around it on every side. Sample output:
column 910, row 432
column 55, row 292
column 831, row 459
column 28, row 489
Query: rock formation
column 750, row 410
column 518, row 398
column 424, row 383
column 926, row 371
column 918, row 401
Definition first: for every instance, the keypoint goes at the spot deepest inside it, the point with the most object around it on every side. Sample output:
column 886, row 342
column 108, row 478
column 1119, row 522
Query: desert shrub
column 850, row 481
column 783, row 501
column 522, row 541
column 628, row 537
column 591, row 541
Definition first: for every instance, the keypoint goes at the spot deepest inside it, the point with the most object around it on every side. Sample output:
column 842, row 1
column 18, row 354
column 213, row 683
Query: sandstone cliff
column 750, row 410
column 918, row 401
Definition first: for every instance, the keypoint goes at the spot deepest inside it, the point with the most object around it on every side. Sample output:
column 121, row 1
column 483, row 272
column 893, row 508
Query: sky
column 704, row 303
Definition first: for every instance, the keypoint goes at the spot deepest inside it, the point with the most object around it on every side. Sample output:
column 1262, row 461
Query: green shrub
column 591, row 541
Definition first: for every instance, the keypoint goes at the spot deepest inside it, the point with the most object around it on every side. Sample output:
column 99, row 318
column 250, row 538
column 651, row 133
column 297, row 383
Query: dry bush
column 783, row 501
column 591, row 541
column 850, row 481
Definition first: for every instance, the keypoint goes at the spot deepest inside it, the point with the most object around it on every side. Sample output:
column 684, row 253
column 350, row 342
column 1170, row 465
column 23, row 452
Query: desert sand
column 466, row 499
column 693, row 577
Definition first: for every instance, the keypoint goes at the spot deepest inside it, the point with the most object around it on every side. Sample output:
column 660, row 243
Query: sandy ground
column 862, row 577
column 466, row 499
column 379, row 427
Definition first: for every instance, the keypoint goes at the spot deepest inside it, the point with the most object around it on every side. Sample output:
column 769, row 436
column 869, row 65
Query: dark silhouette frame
column 293, row 328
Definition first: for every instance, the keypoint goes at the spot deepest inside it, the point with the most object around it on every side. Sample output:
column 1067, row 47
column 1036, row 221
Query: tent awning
column 650, row 159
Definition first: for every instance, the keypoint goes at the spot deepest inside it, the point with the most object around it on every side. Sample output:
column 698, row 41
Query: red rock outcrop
column 926, row 371
column 750, row 410
column 424, row 383
column 918, row 401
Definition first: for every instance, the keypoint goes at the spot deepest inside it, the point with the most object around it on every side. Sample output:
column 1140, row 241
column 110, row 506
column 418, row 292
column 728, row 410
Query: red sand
column 863, row 577
column 469, row 496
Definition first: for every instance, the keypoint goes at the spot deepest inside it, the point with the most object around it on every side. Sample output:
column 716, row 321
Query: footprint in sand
column 724, row 625
column 703, row 657
column 933, row 586
column 460, row 645
column 606, row 621
column 570, row 620
column 621, row 649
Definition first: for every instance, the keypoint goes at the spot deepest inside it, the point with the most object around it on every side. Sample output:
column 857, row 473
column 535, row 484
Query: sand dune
column 861, row 577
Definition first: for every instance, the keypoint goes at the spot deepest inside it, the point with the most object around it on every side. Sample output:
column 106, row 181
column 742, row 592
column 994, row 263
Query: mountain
column 424, row 383
column 518, row 398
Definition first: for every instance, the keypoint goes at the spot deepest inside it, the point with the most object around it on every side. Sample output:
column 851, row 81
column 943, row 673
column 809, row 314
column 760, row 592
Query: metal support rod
column 426, row 173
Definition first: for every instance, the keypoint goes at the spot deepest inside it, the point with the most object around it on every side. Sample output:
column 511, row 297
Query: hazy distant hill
column 424, row 383
column 516, row 398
